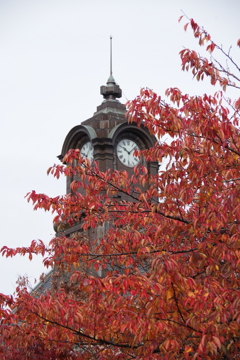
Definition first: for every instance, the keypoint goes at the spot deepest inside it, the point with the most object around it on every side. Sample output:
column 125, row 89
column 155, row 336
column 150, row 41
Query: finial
column 111, row 91
column 111, row 79
column 110, row 55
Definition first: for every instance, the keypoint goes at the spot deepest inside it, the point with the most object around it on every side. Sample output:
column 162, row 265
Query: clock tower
column 108, row 138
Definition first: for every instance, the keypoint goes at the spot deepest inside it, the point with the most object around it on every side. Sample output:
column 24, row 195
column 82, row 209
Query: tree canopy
column 162, row 282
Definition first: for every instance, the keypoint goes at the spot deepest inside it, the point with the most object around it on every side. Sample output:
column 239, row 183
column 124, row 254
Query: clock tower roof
column 111, row 92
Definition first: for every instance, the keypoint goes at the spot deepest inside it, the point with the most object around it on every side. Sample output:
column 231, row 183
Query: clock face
column 125, row 151
column 87, row 151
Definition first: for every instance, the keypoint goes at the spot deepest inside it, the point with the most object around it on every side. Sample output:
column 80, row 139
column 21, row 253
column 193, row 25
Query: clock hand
column 124, row 149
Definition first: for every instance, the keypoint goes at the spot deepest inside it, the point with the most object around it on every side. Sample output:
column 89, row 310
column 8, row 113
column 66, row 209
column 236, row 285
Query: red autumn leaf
column 185, row 26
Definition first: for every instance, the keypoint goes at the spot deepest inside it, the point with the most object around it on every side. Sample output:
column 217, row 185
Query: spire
column 111, row 55
column 111, row 91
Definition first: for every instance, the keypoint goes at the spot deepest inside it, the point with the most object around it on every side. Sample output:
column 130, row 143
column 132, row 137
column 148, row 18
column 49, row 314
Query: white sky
column 54, row 56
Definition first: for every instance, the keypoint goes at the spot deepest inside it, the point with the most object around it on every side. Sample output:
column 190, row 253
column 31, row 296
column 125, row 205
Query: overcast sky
column 54, row 56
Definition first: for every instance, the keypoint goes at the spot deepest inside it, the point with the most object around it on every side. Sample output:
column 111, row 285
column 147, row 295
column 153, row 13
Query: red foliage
column 169, row 259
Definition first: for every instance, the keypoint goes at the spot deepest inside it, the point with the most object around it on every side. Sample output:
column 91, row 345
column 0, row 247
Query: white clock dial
column 87, row 151
column 125, row 152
